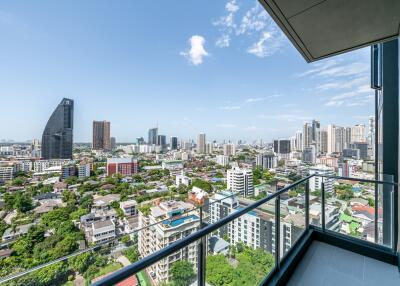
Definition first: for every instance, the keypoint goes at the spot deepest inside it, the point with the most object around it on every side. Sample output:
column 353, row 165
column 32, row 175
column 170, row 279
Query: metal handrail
column 97, row 246
column 170, row 249
column 200, row 234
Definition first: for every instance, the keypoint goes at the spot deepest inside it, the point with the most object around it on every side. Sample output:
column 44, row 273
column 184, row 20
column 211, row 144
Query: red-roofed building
column 131, row 281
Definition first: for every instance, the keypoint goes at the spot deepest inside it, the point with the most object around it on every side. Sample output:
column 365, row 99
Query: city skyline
column 200, row 86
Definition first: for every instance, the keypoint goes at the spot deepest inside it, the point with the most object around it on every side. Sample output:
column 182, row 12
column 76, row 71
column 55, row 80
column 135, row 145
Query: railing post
column 307, row 204
column 201, row 255
column 376, row 213
column 277, row 231
column 323, row 205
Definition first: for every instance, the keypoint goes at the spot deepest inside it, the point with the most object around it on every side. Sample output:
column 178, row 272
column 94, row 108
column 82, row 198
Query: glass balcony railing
column 230, row 238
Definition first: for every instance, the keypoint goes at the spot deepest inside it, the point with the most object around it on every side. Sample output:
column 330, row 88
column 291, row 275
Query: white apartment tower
column 165, row 224
column 358, row 133
column 240, row 181
column 201, row 143
column 229, row 149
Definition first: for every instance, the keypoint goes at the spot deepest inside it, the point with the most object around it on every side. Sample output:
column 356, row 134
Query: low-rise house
column 20, row 230
column 198, row 196
column 218, row 245
column 101, row 231
column 129, row 207
column 104, row 202
column 59, row 187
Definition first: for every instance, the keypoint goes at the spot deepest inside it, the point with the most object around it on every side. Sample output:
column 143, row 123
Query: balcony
column 304, row 251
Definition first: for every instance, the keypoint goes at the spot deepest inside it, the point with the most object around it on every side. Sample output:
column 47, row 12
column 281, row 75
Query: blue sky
column 216, row 66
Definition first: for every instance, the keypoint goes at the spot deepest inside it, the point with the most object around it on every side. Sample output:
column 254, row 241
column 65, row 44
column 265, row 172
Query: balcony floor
column 325, row 265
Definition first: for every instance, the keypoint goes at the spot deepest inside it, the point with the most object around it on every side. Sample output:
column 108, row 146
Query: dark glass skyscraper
column 57, row 137
column 153, row 135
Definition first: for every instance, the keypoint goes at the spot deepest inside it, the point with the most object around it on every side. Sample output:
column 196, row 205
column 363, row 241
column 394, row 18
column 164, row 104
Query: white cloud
column 226, row 125
column 255, row 24
column 223, row 41
column 267, row 44
column 256, row 99
column 196, row 52
column 231, row 107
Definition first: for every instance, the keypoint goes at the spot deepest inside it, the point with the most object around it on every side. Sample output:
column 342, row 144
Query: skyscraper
column 161, row 140
column 113, row 143
column 201, row 143
column 307, row 135
column 153, row 133
column 315, row 124
column 57, row 138
column 174, row 143
column 358, row 133
column 101, row 135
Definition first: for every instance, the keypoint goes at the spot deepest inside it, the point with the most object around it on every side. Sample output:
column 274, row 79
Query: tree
column 182, row 273
column 80, row 263
column 204, row 185
column 132, row 254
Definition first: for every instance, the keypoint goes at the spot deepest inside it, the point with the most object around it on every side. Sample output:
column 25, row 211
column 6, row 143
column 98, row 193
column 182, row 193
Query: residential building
column 57, row 138
column 113, row 143
column 124, row 166
column 129, row 207
column 316, row 181
column 68, row 171
column 182, row 179
column 358, row 133
column 174, row 167
column 229, row 149
column 170, row 221
column 101, row 231
column 240, row 181
column 201, row 143
column 84, row 170
column 101, row 136
column 222, row 160
column 307, row 135
column 267, row 161
column 6, row 173
column 161, row 141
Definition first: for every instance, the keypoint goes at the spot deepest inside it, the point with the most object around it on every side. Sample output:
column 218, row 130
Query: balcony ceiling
column 323, row 28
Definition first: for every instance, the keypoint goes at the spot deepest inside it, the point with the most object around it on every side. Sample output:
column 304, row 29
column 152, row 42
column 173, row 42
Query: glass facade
column 57, row 137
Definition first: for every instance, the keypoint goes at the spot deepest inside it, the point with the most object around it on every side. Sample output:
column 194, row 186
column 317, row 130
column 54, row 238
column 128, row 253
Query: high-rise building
column 161, row 140
column 174, row 143
column 201, row 143
column 347, row 137
column 282, row 146
column 153, row 134
column 101, row 135
column 331, row 139
column 307, row 135
column 240, row 181
column 358, row 133
column 113, row 143
column 316, row 182
column 179, row 220
column 316, row 125
column 229, row 149
column 309, row 154
column 299, row 141
column 322, row 145
column 267, row 160
column 223, row 160
column 57, row 138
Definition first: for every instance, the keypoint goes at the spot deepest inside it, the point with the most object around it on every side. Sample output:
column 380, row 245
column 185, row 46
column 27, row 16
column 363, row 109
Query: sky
column 215, row 66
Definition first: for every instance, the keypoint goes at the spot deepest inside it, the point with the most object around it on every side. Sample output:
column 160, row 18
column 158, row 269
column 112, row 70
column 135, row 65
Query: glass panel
column 350, row 208
column 243, row 251
column 292, row 217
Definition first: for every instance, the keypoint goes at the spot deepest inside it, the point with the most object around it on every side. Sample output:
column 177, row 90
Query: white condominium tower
column 162, row 226
column 240, row 181
column 201, row 143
